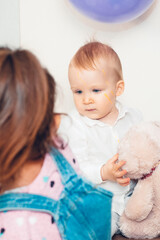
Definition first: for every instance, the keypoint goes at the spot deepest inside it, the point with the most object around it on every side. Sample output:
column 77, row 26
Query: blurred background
column 55, row 29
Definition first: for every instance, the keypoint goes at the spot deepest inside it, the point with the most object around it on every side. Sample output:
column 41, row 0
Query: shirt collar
column 90, row 122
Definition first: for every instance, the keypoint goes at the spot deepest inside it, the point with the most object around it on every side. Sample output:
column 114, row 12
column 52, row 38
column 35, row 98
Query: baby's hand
column 112, row 171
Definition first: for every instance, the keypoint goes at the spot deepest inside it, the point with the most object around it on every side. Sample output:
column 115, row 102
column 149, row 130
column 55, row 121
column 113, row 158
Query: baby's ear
column 119, row 87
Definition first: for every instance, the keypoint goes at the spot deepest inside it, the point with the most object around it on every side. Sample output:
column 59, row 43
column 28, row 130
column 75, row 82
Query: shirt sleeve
column 74, row 134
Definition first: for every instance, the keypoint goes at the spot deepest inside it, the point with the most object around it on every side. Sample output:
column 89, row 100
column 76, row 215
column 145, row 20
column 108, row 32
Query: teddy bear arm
column 140, row 203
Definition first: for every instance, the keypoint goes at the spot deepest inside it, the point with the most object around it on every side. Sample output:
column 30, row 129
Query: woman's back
column 29, row 225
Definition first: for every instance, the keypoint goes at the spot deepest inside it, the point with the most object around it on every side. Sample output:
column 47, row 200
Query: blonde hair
column 89, row 54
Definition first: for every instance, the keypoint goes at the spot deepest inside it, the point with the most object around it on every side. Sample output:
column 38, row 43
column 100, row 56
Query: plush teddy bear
column 140, row 148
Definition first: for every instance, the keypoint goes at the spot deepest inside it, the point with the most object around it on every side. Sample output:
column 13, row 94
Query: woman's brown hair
column 26, row 111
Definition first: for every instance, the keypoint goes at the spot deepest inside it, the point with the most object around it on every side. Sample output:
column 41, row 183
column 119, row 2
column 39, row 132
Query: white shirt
column 94, row 142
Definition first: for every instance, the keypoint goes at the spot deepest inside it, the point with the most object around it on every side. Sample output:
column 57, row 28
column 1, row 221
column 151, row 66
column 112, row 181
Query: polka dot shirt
column 27, row 225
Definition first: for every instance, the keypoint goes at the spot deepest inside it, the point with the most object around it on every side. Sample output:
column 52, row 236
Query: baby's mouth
column 91, row 109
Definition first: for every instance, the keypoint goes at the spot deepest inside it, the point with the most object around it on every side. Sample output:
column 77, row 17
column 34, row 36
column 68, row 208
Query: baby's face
column 94, row 91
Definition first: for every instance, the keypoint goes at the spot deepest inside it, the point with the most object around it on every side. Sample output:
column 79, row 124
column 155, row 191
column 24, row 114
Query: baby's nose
column 88, row 100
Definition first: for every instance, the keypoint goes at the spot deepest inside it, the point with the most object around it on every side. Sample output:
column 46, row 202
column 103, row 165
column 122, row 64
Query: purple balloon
column 112, row 11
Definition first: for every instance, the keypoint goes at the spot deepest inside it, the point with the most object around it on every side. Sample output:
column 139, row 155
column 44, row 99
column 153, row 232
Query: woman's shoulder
column 49, row 175
column 67, row 153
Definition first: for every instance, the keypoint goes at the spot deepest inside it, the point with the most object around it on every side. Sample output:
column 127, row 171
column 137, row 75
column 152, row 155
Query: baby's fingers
column 120, row 164
column 120, row 174
column 123, row 181
column 114, row 158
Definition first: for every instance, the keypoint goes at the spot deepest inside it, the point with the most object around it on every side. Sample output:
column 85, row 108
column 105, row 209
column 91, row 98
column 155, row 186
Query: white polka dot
column 20, row 221
column 32, row 220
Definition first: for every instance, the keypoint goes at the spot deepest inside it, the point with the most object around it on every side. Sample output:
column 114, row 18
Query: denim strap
column 17, row 201
column 65, row 169
column 21, row 201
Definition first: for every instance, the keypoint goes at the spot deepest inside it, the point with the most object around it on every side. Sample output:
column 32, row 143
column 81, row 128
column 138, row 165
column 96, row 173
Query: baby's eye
column 96, row 90
column 78, row 91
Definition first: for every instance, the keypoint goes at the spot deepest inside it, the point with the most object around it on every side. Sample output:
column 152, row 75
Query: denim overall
column 83, row 211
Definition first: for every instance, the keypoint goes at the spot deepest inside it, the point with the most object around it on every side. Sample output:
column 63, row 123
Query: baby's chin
column 90, row 114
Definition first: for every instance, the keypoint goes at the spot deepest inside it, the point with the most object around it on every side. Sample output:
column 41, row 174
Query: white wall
column 54, row 30
column 9, row 23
